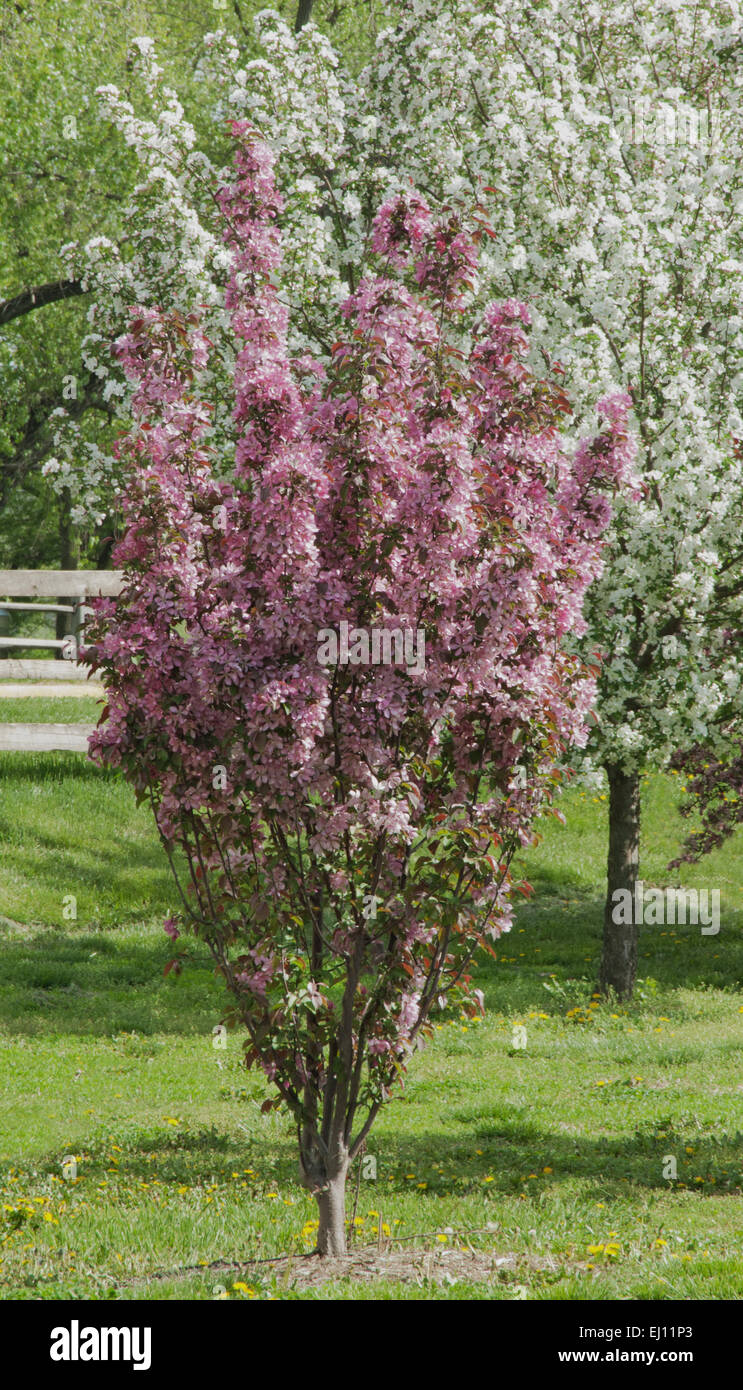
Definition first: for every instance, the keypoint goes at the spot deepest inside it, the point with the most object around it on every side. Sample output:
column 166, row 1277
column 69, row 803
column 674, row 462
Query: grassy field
column 553, row 1155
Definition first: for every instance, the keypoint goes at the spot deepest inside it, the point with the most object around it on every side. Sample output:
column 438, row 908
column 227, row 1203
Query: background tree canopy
column 65, row 176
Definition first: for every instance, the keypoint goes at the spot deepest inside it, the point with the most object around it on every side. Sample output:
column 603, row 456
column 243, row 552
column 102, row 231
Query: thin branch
column 50, row 293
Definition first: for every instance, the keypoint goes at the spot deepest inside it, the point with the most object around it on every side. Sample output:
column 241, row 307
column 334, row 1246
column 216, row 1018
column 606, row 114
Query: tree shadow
column 54, row 767
column 506, row 1155
column 489, row 1161
column 88, row 984
column 114, row 860
column 557, row 937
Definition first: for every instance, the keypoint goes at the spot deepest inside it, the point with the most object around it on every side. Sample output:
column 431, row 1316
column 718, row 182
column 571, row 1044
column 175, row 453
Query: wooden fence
column 73, row 588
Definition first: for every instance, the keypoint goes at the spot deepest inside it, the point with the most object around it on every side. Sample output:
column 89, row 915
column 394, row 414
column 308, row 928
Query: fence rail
column 45, row 738
column 18, row 643
column 75, row 586
column 66, row 583
column 37, row 669
column 38, row 607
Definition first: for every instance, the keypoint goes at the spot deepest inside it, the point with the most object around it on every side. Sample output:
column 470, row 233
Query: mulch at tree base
column 444, row 1266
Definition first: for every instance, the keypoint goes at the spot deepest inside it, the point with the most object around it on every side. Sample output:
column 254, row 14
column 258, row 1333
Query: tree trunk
column 304, row 11
column 68, row 557
column 331, row 1205
column 621, row 928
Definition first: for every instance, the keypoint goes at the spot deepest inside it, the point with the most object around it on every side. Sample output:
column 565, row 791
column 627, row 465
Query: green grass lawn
column 62, row 709
column 553, row 1155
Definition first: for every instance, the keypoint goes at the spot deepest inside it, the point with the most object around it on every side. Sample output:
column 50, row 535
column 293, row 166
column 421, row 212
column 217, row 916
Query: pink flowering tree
column 343, row 676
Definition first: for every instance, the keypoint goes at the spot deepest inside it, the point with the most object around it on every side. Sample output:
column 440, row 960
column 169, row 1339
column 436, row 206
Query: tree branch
column 36, row 298
column 34, row 442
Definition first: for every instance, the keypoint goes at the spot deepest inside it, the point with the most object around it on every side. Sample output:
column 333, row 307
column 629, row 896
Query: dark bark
column 103, row 553
column 240, row 20
column 620, row 946
column 304, row 12
column 68, row 557
column 36, row 298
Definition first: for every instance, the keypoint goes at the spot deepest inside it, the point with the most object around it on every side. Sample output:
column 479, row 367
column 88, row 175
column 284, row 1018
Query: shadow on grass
column 514, row 1157
column 53, row 983
column 190, row 1158
column 53, row 861
column 98, row 845
column 511, row 1162
column 554, row 952
column 53, row 767
column 89, row 983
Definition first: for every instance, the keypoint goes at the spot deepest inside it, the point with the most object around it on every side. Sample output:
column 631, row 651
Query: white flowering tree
column 603, row 139
column 611, row 135
column 609, row 139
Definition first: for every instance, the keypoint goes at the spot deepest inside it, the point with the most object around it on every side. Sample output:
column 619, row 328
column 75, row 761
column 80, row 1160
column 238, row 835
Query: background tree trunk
column 619, row 957
column 68, row 560
column 304, row 10
column 331, row 1204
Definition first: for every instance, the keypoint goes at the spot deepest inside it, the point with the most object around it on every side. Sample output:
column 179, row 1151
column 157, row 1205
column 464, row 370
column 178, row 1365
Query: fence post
column 77, row 625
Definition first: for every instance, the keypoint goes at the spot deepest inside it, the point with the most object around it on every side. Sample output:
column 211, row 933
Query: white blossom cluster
column 294, row 96
column 171, row 255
